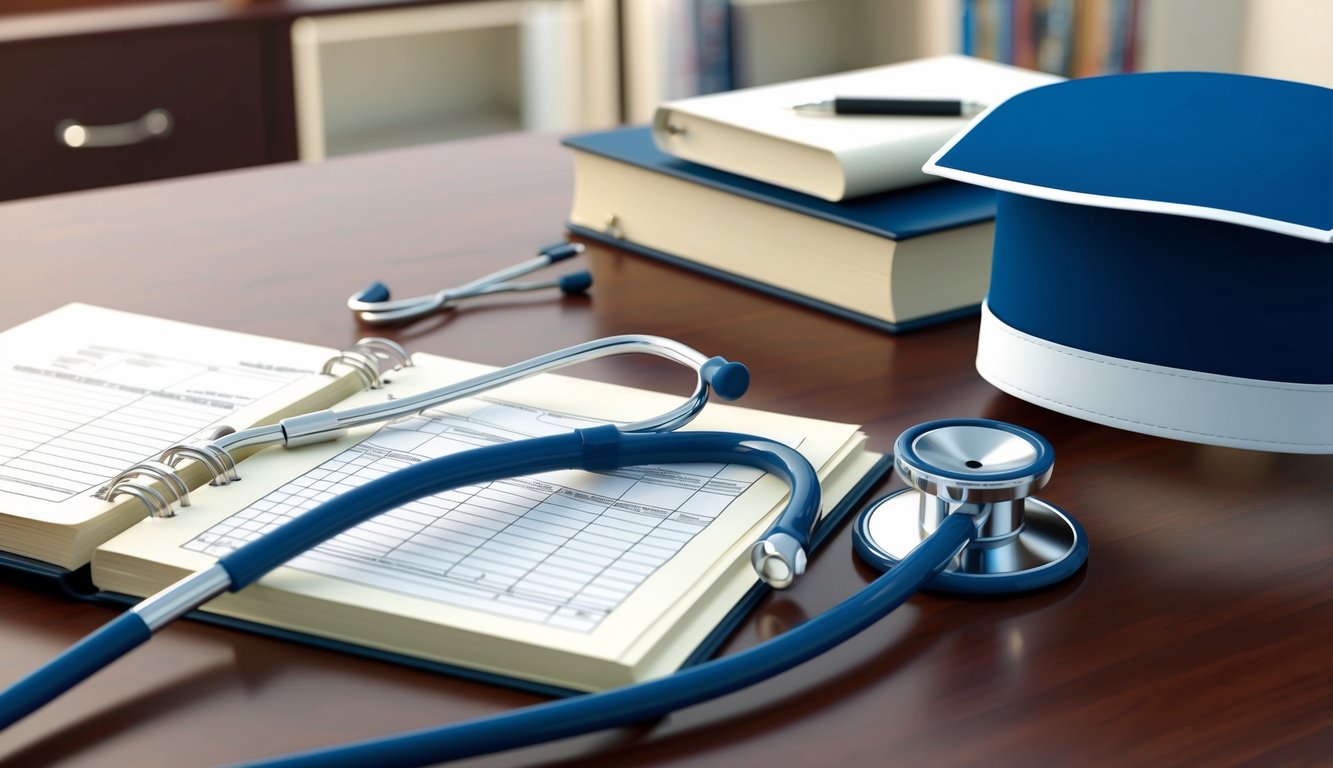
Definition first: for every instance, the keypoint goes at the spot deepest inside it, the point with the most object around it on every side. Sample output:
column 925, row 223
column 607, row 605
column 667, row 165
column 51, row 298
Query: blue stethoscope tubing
column 598, row 448
column 594, row 449
column 646, row 701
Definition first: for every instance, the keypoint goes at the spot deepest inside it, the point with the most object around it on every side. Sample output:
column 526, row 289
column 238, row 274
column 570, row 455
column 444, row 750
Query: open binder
column 396, row 606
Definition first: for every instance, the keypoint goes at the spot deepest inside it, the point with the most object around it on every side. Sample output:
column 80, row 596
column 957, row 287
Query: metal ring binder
column 364, row 365
column 160, row 506
column 220, row 463
column 385, row 349
column 366, row 358
column 157, row 504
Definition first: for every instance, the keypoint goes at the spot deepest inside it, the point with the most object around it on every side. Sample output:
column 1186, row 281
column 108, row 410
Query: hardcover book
column 755, row 132
column 896, row 260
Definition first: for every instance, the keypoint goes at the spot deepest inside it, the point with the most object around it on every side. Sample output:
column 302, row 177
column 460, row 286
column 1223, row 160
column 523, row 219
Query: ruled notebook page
column 86, row 392
column 75, row 416
column 562, row 548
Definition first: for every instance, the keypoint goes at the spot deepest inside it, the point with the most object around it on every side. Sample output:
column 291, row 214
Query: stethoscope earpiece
column 373, row 293
column 987, row 470
column 575, row 282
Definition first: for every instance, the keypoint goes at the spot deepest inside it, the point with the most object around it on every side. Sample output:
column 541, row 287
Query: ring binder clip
column 158, row 504
column 384, row 349
column 365, row 366
column 367, row 358
column 219, row 462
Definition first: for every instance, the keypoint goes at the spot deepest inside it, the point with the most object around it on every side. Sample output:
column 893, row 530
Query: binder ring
column 365, row 366
column 384, row 349
column 157, row 504
column 219, row 462
column 158, row 471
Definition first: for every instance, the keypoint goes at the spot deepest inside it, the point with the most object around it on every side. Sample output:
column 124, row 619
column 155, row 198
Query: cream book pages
column 86, row 392
column 755, row 132
column 571, row 579
column 867, row 273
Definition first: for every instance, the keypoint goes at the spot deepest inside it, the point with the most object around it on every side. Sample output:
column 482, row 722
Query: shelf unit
column 396, row 77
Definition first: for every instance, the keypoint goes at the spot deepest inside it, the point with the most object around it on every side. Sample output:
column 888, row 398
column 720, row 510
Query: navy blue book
column 896, row 260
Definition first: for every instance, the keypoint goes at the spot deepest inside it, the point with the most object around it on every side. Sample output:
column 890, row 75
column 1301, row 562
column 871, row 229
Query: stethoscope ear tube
column 646, row 701
column 374, row 303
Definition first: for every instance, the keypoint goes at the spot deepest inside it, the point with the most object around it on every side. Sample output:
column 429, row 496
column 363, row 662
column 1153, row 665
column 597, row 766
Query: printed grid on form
column 73, row 421
column 560, row 553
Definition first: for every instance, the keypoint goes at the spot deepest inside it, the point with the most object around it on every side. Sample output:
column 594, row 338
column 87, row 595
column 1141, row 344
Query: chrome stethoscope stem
column 326, row 425
column 728, row 379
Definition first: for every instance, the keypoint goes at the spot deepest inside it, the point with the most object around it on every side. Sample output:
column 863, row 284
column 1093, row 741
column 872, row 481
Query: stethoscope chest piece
column 987, row 469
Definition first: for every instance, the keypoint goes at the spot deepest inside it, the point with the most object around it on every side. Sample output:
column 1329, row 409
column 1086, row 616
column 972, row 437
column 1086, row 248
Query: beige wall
column 1289, row 39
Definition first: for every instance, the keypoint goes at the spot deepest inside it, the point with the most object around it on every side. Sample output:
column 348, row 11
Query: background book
column 754, row 131
column 561, row 581
column 896, row 260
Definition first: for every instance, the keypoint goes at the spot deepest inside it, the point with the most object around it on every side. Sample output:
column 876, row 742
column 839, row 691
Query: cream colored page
column 567, row 560
column 86, row 392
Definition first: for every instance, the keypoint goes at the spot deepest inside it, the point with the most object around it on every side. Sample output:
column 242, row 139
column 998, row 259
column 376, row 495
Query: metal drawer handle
column 156, row 124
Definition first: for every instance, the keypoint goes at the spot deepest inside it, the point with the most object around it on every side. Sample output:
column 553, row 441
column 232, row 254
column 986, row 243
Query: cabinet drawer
column 207, row 80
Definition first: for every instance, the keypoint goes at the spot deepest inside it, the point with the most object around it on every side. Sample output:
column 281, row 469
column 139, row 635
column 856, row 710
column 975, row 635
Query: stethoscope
column 966, row 524
column 374, row 306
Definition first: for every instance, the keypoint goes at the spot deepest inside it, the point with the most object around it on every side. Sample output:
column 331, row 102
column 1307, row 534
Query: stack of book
column 828, row 211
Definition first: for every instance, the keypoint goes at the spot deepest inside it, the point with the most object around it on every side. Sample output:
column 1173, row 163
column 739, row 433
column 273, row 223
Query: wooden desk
column 1199, row 632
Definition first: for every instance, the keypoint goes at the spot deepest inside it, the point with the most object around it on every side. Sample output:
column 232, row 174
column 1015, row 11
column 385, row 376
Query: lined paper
column 562, row 549
column 75, row 418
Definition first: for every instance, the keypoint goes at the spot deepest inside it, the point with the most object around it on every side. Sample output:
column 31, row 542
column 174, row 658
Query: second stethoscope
column 966, row 525
column 374, row 306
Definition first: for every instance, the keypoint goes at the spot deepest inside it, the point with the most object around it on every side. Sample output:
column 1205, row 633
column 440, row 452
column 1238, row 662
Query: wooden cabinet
column 94, row 110
column 101, row 92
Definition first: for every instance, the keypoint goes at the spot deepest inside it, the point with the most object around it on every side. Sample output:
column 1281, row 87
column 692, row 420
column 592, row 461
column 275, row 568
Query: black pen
column 844, row 105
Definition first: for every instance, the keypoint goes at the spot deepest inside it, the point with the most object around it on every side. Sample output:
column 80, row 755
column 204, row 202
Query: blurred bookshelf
column 1078, row 38
column 677, row 48
column 667, row 44
column 1072, row 38
column 403, row 76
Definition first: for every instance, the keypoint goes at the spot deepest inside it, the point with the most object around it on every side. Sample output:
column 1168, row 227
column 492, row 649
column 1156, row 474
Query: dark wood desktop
column 1199, row 633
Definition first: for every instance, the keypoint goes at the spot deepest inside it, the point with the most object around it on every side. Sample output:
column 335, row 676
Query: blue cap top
column 1246, row 150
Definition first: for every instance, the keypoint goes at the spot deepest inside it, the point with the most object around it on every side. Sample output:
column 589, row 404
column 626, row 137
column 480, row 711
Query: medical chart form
column 561, row 548
column 77, row 417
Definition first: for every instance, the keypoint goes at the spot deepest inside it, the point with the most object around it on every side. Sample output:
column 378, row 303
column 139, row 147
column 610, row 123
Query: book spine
column 713, row 46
